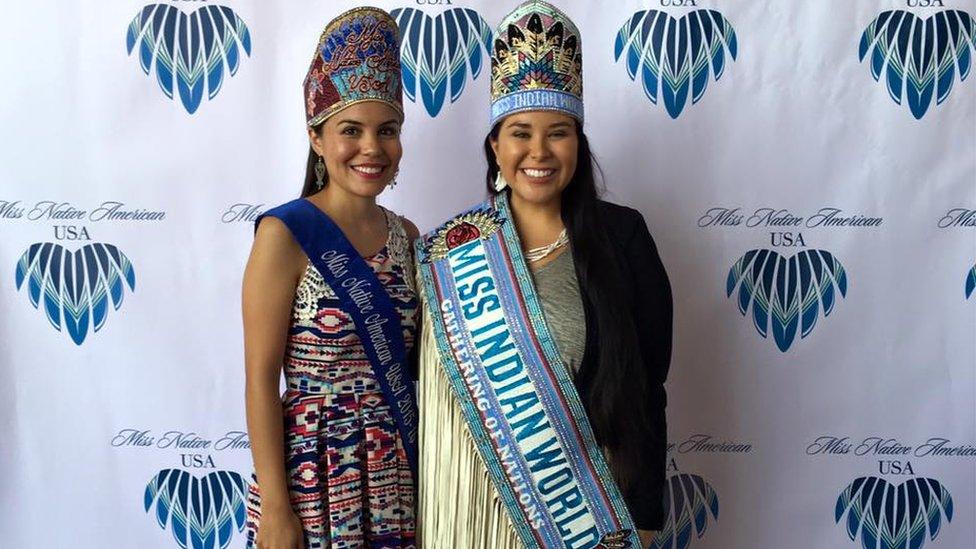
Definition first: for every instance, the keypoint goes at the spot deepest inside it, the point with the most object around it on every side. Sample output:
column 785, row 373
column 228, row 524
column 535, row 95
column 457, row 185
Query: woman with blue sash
column 546, row 338
column 329, row 298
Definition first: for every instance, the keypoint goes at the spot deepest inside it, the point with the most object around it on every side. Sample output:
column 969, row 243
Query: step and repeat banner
column 807, row 168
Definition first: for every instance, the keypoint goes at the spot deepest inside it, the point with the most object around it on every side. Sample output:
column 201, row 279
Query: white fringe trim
column 458, row 504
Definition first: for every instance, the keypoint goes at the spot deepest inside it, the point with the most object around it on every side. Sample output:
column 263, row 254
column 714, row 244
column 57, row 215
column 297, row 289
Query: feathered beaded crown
column 357, row 59
column 537, row 63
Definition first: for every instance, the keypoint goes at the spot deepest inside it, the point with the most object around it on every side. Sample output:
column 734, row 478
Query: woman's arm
column 411, row 270
column 412, row 232
column 270, row 279
column 653, row 315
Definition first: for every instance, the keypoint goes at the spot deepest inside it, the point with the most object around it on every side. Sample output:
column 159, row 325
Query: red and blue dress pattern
column 348, row 475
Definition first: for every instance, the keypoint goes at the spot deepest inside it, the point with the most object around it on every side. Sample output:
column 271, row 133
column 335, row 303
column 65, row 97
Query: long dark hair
column 310, row 188
column 616, row 392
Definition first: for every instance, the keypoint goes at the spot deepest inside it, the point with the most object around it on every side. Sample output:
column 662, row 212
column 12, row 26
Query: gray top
column 562, row 306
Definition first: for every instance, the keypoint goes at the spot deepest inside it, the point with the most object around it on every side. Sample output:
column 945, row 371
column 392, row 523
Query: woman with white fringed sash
column 547, row 330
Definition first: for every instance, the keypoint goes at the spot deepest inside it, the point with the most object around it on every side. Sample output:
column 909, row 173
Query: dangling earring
column 500, row 182
column 319, row 174
column 393, row 181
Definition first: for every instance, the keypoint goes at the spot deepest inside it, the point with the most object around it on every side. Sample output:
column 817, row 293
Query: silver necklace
column 536, row 254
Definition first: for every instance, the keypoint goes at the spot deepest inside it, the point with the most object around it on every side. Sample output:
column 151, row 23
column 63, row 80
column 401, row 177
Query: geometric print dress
column 348, row 476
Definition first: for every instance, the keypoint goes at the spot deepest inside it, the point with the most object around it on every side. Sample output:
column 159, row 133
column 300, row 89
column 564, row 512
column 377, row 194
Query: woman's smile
column 538, row 175
column 369, row 171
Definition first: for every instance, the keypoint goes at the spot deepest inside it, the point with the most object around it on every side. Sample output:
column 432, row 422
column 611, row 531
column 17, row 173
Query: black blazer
column 650, row 311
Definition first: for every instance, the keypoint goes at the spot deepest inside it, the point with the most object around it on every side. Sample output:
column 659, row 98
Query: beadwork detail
column 357, row 59
column 537, row 63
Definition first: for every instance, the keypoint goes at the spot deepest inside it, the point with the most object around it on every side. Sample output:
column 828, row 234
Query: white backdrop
column 796, row 122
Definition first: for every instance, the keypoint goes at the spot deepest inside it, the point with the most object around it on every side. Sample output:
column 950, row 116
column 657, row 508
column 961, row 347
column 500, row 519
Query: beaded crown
column 357, row 59
column 537, row 63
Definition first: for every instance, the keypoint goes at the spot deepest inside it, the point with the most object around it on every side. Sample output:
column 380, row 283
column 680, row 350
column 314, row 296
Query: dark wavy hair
column 309, row 188
column 616, row 393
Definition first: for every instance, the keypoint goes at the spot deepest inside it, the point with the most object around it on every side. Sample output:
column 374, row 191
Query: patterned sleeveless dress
column 348, row 475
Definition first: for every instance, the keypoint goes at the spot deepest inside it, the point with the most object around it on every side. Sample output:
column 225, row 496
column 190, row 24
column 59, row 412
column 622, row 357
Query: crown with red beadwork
column 537, row 63
column 357, row 59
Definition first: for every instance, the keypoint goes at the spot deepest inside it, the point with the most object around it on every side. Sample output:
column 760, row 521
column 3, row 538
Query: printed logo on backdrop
column 675, row 56
column 962, row 218
column 917, row 56
column 898, row 504
column 437, row 53
column 191, row 54
column 201, row 505
column 783, row 289
column 73, row 280
column 242, row 212
column 690, row 501
column 971, row 282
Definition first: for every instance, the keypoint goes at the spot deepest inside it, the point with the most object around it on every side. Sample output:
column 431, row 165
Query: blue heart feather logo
column 202, row 513
column 674, row 57
column 436, row 54
column 688, row 501
column 919, row 58
column 971, row 282
column 889, row 516
column 75, row 288
column 190, row 52
column 786, row 294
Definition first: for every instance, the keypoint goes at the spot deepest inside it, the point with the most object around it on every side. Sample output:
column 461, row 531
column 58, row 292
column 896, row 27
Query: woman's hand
column 280, row 529
column 646, row 536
